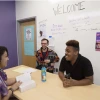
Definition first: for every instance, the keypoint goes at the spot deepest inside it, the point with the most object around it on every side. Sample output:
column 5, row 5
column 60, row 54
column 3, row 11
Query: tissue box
column 27, row 85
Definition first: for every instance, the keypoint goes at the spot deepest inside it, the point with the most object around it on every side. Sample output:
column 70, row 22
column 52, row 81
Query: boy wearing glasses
column 46, row 57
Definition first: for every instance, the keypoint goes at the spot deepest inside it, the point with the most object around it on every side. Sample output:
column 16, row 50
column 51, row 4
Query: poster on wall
column 29, row 48
column 29, row 33
column 97, row 45
column 42, row 28
column 29, row 40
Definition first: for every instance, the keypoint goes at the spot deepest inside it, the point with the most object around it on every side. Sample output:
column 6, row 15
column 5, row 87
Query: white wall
column 86, row 34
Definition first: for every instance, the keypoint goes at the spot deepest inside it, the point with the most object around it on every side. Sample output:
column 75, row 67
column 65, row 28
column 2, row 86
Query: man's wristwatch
column 11, row 90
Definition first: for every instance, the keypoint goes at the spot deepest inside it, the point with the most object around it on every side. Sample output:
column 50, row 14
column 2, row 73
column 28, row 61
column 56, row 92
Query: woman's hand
column 16, row 85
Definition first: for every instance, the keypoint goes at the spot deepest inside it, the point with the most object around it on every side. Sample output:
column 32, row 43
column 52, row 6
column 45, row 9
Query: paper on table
column 27, row 82
column 23, row 78
column 29, row 70
column 25, row 70
column 20, row 70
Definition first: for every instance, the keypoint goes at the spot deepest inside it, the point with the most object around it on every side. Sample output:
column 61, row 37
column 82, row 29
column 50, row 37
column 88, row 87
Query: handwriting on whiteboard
column 86, row 23
column 58, row 29
column 62, row 9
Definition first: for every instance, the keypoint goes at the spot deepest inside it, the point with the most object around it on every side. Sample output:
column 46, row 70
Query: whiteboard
column 81, row 25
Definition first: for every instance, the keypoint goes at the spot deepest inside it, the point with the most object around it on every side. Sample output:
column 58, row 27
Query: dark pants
column 40, row 67
column 13, row 98
column 50, row 71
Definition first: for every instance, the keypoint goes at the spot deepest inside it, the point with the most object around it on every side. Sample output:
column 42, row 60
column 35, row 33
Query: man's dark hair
column 73, row 43
column 2, row 50
column 46, row 40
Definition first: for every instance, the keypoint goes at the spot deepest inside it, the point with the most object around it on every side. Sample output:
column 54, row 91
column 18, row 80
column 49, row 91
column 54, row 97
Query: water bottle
column 43, row 74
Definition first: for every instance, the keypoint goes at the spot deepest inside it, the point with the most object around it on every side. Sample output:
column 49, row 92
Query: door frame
column 18, row 37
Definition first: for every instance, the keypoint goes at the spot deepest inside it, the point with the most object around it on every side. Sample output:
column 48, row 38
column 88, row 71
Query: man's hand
column 47, row 61
column 68, row 82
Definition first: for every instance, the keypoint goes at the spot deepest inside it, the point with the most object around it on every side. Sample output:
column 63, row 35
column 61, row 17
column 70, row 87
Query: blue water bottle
column 43, row 74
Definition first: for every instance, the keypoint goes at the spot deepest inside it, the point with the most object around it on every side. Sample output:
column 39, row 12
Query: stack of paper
column 27, row 83
column 23, row 78
column 25, row 70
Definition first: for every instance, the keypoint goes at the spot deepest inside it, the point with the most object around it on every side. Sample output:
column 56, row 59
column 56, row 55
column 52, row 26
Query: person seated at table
column 6, row 93
column 46, row 57
column 78, row 68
